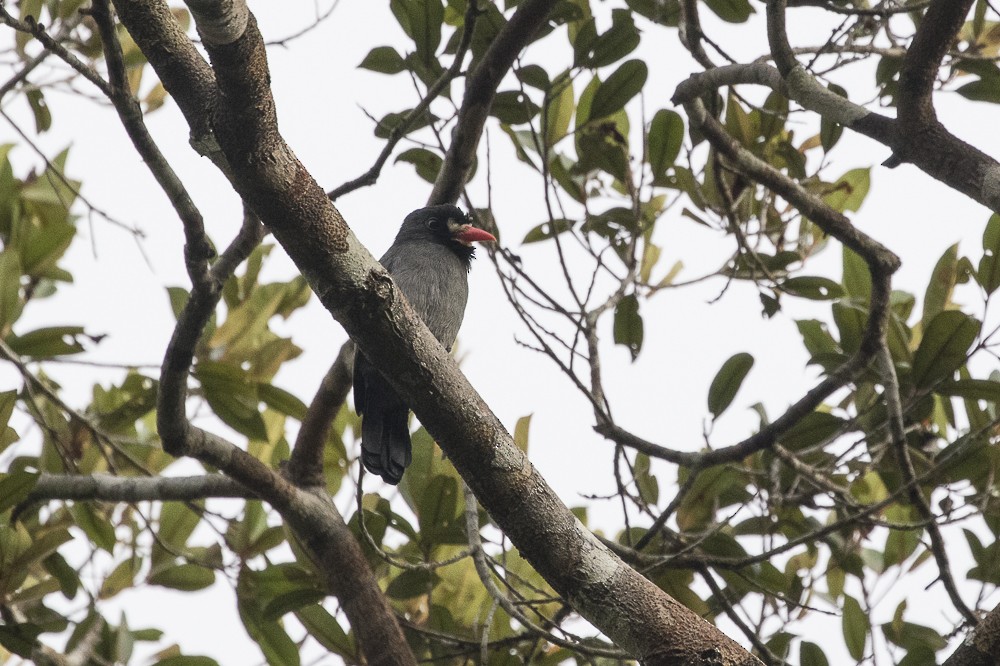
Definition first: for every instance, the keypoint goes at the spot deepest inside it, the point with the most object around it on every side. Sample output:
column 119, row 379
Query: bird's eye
column 434, row 224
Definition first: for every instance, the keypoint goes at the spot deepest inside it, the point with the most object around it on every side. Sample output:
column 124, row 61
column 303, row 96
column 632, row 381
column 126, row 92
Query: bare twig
column 916, row 497
column 481, row 88
column 399, row 130
column 197, row 249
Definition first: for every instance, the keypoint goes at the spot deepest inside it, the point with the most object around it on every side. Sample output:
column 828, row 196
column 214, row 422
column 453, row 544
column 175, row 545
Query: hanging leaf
column 628, row 330
column 829, row 131
column 811, row 654
column 559, row 111
column 521, row 432
column 624, row 84
column 988, row 274
column 850, row 190
column 383, row 59
column 666, row 135
column 727, row 382
column 733, row 11
column 944, row 347
column 857, row 278
column 941, row 285
column 427, row 163
column 856, row 627
column 513, row 107
column 425, row 19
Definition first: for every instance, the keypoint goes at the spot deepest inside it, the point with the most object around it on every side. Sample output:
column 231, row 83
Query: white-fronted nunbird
column 429, row 262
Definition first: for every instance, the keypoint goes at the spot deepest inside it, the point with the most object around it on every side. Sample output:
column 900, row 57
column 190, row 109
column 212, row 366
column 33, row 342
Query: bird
column 429, row 261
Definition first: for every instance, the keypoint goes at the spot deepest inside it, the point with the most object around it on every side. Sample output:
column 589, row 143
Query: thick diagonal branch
column 305, row 466
column 359, row 293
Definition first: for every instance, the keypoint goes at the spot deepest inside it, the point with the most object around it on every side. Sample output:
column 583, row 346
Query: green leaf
column 811, row 654
column 20, row 639
column 121, row 578
column 232, row 396
column 281, row 400
column 523, row 142
column 943, row 347
column 813, row 287
column 47, row 342
column 733, row 11
column 324, row 627
column 547, row 230
column 43, row 246
column 829, row 131
column 390, row 121
column 440, row 511
column 857, row 278
column 97, row 528
column 856, row 627
column 560, row 105
column 411, row 584
column 426, row 163
column 287, row 602
column 383, row 59
column 850, row 190
column 816, row 337
column 10, row 289
column 665, row 13
column 15, row 487
column 814, row 428
column 645, row 483
column 187, row 660
column 973, row 389
column 40, row 109
column 59, row 568
column 988, row 274
column 624, row 84
column 513, row 107
column 628, row 328
column 184, row 577
column 593, row 51
column 983, row 90
column 727, row 382
column 426, row 18
column 178, row 297
column 666, row 135
column 521, row 432
column 177, row 523
column 941, row 285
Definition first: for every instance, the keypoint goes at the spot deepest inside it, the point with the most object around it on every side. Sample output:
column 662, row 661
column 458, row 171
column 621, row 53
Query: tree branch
column 480, row 89
column 982, row 646
column 197, row 249
column 938, row 28
column 305, row 466
column 897, row 430
column 881, row 264
column 111, row 488
column 400, row 129
column 182, row 70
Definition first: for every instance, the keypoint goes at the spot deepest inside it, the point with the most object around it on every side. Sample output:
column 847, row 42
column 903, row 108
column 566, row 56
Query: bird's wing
column 359, row 382
column 435, row 282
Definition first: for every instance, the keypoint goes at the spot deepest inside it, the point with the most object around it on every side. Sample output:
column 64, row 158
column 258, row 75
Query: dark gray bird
column 429, row 261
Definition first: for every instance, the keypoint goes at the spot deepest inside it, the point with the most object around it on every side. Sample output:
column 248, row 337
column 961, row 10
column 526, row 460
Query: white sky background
column 661, row 397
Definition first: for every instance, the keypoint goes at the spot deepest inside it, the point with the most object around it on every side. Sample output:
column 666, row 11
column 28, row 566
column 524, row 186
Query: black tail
column 385, row 437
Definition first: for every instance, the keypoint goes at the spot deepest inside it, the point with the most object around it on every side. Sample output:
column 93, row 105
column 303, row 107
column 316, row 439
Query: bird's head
column 445, row 225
